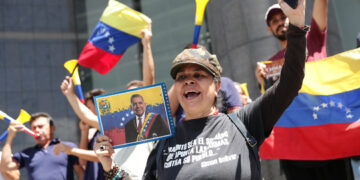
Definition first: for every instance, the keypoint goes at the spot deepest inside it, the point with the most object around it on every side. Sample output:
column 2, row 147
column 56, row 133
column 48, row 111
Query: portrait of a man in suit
column 145, row 125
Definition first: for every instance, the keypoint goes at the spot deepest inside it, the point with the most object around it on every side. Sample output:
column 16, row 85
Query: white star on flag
column 111, row 48
column 101, row 30
column 340, row 105
column 127, row 115
column 131, row 112
column 121, row 124
column 316, row 108
column 332, row 103
column 123, row 119
column 349, row 116
column 315, row 116
column 324, row 105
column 347, row 110
column 111, row 40
column 107, row 34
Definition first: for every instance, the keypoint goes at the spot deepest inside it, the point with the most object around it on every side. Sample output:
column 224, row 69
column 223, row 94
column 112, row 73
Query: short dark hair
column 95, row 92
column 136, row 83
column 135, row 96
column 42, row 114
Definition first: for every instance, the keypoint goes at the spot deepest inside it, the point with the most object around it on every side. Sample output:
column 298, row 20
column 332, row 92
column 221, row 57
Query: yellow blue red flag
column 199, row 16
column 73, row 68
column 323, row 121
column 119, row 28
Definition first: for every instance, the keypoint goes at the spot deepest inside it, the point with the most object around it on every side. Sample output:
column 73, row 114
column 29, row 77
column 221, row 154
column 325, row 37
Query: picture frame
column 119, row 114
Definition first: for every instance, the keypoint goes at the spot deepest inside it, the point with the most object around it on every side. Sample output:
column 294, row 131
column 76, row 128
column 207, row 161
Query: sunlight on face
column 195, row 89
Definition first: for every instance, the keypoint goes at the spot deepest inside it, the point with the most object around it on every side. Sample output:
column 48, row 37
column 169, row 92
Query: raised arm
column 320, row 11
column 148, row 60
column 280, row 96
column 277, row 98
column 7, row 163
column 84, row 113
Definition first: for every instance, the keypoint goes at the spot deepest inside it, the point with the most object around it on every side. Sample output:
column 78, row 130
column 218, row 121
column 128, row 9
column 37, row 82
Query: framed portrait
column 135, row 116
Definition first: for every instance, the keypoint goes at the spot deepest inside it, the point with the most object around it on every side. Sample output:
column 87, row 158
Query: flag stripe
column 200, row 10
column 4, row 135
column 121, row 17
column 313, row 142
column 333, row 75
column 320, row 110
column 78, row 91
column 196, row 34
column 74, row 70
column 98, row 59
column 7, row 119
column 110, row 39
column 76, row 77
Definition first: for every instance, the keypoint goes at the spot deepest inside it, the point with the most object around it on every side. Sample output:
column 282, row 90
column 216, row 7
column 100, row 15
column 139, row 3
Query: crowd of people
column 218, row 127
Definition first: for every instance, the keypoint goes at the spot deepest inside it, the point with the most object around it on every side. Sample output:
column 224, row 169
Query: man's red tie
column 140, row 124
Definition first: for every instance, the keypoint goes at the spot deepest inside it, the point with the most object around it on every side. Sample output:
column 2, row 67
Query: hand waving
column 67, row 86
column 296, row 16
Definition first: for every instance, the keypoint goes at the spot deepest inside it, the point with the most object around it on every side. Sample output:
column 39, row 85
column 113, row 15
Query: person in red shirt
column 277, row 24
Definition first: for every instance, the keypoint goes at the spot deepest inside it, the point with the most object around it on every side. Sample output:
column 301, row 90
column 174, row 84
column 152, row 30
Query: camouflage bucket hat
column 196, row 56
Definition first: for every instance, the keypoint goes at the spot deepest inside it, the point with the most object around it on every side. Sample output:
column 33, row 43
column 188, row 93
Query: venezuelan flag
column 323, row 121
column 73, row 69
column 119, row 28
column 199, row 16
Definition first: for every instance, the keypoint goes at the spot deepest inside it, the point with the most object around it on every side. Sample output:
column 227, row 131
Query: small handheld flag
column 199, row 16
column 73, row 68
column 119, row 28
column 23, row 117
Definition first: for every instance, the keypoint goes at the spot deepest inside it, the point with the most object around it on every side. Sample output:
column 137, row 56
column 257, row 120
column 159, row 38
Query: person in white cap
column 277, row 24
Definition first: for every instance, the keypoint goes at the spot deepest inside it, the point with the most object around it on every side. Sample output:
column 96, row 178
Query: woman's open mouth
column 191, row 95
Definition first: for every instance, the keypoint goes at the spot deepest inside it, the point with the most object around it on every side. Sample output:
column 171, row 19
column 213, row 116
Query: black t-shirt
column 212, row 147
column 208, row 148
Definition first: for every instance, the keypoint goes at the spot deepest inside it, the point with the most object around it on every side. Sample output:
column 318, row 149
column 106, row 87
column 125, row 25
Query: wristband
column 305, row 28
